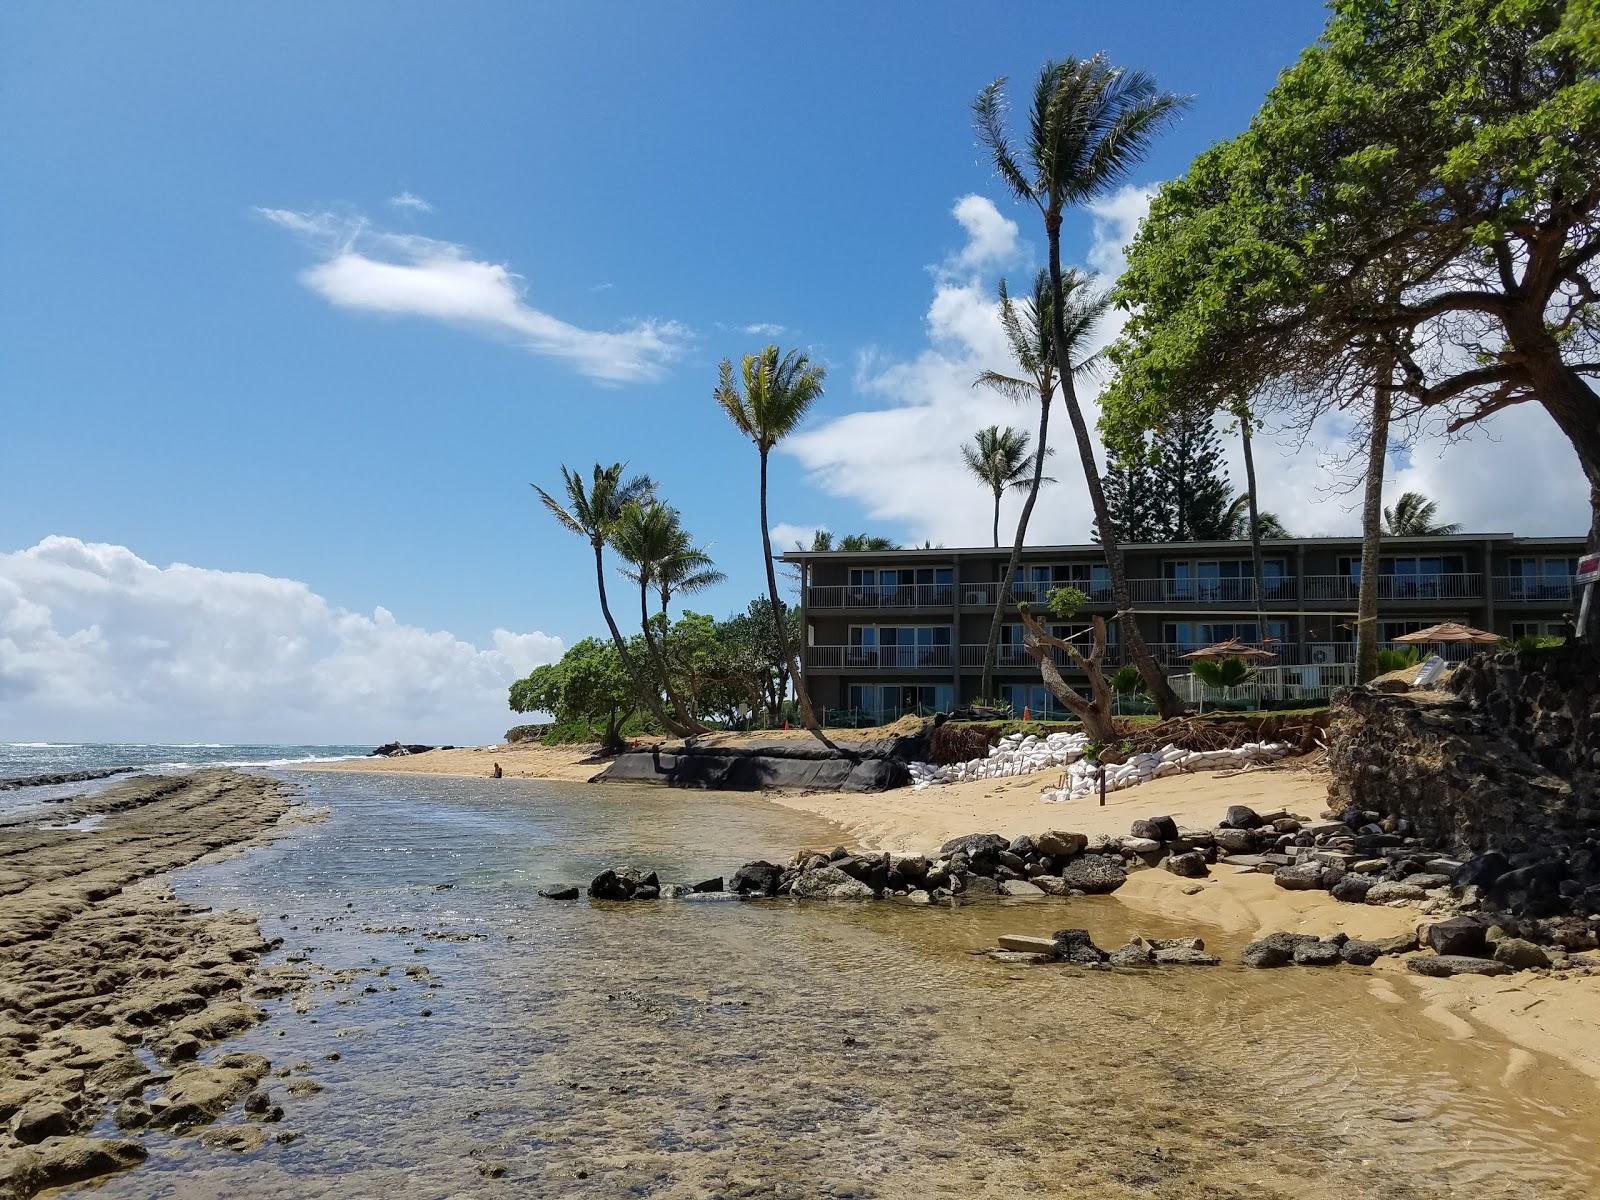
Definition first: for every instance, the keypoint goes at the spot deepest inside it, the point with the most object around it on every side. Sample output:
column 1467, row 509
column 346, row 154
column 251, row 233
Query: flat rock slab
column 1017, row 958
column 1027, row 944
column 1442, row 966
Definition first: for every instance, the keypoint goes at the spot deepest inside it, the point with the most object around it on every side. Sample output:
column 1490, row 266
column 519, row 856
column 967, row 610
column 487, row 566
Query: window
column 1535, row 629
column 884, row 702
column 1032, row 698
column 899, row 646
column 902, row 587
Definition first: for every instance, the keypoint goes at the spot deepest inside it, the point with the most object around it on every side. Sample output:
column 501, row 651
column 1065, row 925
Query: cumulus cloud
column 764, row 329
column 98, row 644
column 1116, row 220
column 991, row 238
column 410, row 202
column 396, row 274
column 786, row 536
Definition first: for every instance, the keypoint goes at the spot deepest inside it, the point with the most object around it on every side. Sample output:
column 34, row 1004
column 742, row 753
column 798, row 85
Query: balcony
column 1521, row 589
column 879, row 658
column 878, row 597
column 1347, row 588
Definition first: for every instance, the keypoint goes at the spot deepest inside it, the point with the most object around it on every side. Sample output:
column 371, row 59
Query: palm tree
column 866, row 541
column 1238, row 518
column 1000, row 460
column 1090, row 123
column 1029, row 331
column 683, row 568
column 647, row 534
column 778, row 390
column 1413, row 516
column 592, row 512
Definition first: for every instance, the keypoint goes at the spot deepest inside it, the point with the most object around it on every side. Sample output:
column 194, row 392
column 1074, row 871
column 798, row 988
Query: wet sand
column 576, row 763
column 108, row 985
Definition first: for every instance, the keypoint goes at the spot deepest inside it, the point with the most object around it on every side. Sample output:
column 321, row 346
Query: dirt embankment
column 108, row 990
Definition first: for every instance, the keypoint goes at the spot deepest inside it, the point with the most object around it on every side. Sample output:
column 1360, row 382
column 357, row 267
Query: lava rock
column 1189, row 865
column 559, row 893
column 1241, row 816
column 1442, row 966
column 1161, row 829
column 1076, row 946
column 1302, row 877
column 757, row 878
column 1458, row 936
column 1136, row 953
column 1520, row 954
column 1317, row 953
column 1019, row 887
column 1183, row 956
column 1274, row 950
column 622, row 883
column 1353, row 889
column 1360, row 953
column 1386, row 891
column 1236, row 841
column 1056, row 844
column 1094, row 874
column 830, row 883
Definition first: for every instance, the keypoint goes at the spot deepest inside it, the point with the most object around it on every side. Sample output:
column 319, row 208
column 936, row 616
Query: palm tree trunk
column 1155, row 679
column 802, row 697
column 997, row 520
column 992, row 651
column 1257, row 564
column 1372, row 530
column 656, row 657
column 652, row 701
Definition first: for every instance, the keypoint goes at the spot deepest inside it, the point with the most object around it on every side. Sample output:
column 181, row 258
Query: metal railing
column 1461, row 586
column 881, row 595
column 1522, row 588
column 879, row 658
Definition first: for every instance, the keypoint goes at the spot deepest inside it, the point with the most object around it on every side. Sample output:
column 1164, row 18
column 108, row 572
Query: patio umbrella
column 1450, row 631
column 1232, row 648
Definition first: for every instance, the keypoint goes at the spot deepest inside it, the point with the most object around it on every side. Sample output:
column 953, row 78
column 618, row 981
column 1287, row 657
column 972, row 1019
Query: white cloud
column 98, row 644
column 786, row 536
column 764, row 329
column 407, row 275
column 991, row 237
column 411, row 203
column 1116, row 220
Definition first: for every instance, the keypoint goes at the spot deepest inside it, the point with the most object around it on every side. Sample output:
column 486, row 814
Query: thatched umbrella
column 1450, row 631
column 1232, row 648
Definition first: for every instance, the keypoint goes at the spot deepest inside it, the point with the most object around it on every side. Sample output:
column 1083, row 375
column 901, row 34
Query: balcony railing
column 1453, row 586
column 879, row 658
column 1523, row 589
column 881, row 596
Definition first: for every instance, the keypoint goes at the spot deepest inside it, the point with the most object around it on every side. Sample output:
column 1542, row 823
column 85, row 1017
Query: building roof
column 1575, row 542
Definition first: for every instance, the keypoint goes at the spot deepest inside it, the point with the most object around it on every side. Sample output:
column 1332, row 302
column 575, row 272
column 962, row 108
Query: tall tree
column 592, row 512
column 1029, row 329
column 1133, row 495
column 647, row 534
column 1414, row 515
column 1192, row 481
column 778, row 390
column 1090, row 123
column 1000, row 460
column 1372, row 529
column 1422, row 188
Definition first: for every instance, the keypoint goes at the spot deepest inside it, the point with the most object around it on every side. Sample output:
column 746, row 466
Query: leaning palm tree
column 1002, row 463
column 778, row 390
column 1089, row 125
column 682, row 569
column 1029, row 330
column 592, row 512
column 646, row 535
column 1413, row 515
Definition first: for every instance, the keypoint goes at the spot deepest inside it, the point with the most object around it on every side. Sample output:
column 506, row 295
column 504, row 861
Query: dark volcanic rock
column 1095, row 874
column 1190, row 865
column 1353, row 889
column 830, row 883
column 1523, row 955
column 1458, row 935
column 1302, row 877
column 1160, row 829
column 1360, row 953
column 1274, row 950
column 624, row 883
column 1317, row 953
column 1076, row 946
column 1442, row 966
column 559, row 893
column 757, row 878
column 1241, row 816
column 1056, row 844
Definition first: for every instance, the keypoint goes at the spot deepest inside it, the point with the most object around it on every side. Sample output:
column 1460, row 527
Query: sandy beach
column 527, row 760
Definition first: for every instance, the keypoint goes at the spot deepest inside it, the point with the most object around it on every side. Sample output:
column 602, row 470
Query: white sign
column 1588, row 569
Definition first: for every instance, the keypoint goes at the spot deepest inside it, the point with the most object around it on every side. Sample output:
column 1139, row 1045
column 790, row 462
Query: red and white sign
column 1588, row 569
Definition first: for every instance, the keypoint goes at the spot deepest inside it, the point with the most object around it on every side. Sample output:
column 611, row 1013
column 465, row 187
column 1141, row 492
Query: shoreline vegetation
column 1558, row 1016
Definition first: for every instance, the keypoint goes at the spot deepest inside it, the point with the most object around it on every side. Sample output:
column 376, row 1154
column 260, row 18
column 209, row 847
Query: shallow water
column 688, row 1049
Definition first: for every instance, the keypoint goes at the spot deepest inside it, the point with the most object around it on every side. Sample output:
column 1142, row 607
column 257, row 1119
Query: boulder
column 1484, row 870
column 1302, row 877
column 557, row 892
column 1136, row 953
column 622, row 883
column 1094, row 874
column 1241, row 816
column 1387, row 891
column 1317, row 953
column 1236, row 841
column 913, row 869
column 979, row 887
column 714, row 884
column 1457, row 936
column 1019, row 888
column 1360, row 953
column 1056, row 844
column 1050, row 885
column 1427, row 880
column 1442, row 966
column 757, row 878
column 1403, row 943
column 1140, row 847
column 1021, row 846
column 1189, row 865
column 870, row 869
column 1274, row 950
column 1160, row 829
column 973, row 844
column 830, row 883
column 1353, row 889
column 1183, row 956
column 1520, row 954
column 1076, row 946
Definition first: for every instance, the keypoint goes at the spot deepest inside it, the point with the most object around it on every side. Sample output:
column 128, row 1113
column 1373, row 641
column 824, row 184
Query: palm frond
column 988, row 118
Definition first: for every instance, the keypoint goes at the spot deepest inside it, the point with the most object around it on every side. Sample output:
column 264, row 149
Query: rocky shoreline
column 110, row 989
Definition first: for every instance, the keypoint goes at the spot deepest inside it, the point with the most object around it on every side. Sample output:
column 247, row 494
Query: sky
column 300, row 299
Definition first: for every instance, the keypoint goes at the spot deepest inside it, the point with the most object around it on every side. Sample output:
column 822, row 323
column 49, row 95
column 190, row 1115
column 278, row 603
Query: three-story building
column 889, row 632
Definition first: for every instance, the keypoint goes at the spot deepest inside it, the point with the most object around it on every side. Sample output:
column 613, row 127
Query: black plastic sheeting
column 854, row 767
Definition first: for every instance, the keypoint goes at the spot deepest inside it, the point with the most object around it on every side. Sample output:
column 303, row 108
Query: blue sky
column 174, row 382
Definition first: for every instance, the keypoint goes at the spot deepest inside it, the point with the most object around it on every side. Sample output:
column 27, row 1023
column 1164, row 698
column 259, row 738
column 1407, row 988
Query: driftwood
column 1093, row 710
